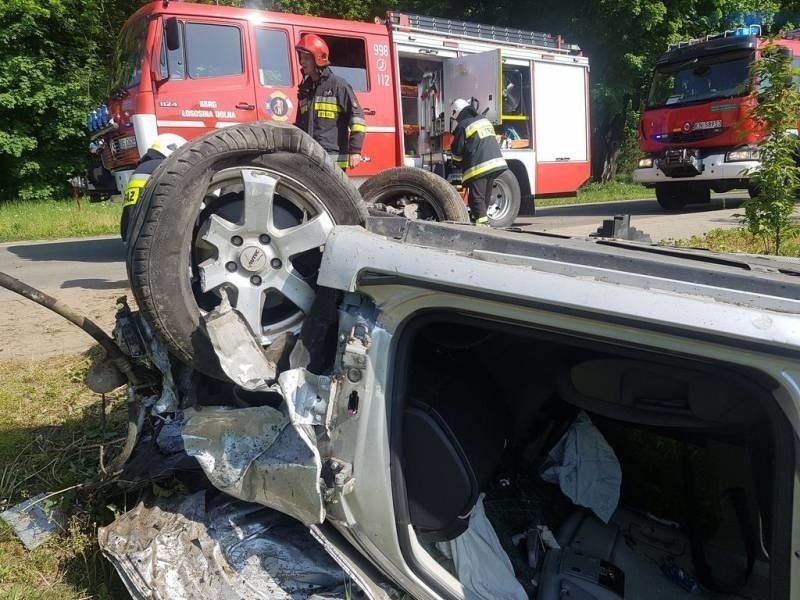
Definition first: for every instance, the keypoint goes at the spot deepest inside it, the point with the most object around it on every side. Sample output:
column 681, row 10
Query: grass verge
column 738, row 240
column 28, row 220
column 51, row 428
column 601, row 192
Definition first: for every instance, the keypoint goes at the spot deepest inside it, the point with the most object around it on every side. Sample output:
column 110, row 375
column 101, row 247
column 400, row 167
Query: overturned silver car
column 452, row 411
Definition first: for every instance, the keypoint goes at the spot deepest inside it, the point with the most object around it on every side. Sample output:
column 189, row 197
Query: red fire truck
column 695, row 128
column 189, row 68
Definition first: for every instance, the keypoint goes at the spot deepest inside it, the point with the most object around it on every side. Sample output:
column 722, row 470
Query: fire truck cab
column 695, row 129
column 188, row 68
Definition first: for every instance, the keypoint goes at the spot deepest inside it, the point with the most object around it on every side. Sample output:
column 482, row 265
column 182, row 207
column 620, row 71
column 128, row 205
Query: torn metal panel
column 239, row 352
column 183, row 548
column 307, row 396
column 168, row 401
column 258, row 455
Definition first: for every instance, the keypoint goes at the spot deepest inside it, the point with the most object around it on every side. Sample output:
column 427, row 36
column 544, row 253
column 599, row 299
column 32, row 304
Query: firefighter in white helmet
column 476, row 151
column 164, row 145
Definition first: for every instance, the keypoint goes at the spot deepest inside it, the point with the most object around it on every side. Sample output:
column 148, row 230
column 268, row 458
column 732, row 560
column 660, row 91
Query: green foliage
column 769, row 214
column 52, row 70
column 740, row 240
column 54, row 219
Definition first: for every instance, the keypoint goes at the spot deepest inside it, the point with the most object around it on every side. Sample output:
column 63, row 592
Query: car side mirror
column 173, row 34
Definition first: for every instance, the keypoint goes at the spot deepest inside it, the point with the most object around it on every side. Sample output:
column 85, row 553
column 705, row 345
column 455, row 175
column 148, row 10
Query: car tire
column 415, row 193
column 699, row 194
column 506, row 199
column 671, row 196
column 184, row 244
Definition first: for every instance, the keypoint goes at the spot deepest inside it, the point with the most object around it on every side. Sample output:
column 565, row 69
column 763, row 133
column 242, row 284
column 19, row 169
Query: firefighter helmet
column 316, row 46
column 457, row 106
column 167, row 143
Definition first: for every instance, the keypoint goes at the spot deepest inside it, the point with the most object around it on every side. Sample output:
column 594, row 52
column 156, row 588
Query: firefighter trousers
column 480, row 194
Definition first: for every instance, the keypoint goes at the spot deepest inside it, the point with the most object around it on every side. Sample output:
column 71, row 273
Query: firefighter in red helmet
column 328, row 109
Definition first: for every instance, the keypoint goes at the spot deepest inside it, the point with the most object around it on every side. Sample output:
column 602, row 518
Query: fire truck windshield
column 701, row 79
column 128, row 56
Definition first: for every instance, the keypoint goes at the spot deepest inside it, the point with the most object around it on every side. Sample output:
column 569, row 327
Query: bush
column 768, row 215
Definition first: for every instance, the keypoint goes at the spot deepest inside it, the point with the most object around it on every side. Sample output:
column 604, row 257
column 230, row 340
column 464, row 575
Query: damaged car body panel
column 438, row 423
column 419, row 269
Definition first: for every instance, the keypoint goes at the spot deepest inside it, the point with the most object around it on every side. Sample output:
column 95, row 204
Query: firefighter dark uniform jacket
column 328, row 111
column 475, row 148
column 133, row 190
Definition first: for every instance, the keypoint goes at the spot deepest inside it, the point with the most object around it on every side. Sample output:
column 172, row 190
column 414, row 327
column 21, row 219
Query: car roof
column 767, row 282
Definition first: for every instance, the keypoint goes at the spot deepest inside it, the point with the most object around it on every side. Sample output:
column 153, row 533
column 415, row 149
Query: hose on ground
column 135, row 417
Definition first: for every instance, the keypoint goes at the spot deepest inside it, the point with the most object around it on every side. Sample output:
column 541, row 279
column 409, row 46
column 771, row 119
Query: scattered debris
column 207, row 545
column 33, row 522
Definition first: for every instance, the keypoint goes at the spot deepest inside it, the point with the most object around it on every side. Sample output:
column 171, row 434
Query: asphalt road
column 98, row 263
column 646, row 215
column 91, row 263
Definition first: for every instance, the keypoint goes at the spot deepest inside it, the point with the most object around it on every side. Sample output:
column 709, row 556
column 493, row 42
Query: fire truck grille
column 119, row 152
column 680, row 137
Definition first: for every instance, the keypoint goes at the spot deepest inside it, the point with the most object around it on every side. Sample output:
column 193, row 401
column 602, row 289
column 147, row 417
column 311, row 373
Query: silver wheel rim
column 500, row 206
column 415, row 207
column 255, row 259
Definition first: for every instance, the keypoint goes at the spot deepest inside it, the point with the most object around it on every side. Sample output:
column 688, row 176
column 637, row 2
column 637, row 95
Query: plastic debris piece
column 32, row 522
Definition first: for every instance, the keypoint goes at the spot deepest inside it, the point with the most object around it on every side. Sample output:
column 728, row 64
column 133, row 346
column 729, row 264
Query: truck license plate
column 700, row 125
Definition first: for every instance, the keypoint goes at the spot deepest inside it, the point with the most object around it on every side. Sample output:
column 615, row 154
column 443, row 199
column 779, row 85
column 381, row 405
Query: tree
column 768, row 215
column 51, row 71
column 55, row 66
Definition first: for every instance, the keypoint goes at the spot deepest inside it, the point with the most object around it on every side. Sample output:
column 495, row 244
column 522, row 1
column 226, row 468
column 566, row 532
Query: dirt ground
column 29, row 331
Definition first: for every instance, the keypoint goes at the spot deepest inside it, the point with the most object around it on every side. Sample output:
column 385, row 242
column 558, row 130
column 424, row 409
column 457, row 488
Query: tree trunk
column 607, row 144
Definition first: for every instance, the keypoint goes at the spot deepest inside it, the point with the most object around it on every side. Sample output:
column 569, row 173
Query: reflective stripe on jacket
column 140, row 176
column 328, row 111
column 476, row 149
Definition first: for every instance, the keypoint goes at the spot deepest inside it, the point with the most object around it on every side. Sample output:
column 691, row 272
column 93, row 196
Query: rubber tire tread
column 161, row 238
column 398, row 181
column 668, row 196
column 516, row 200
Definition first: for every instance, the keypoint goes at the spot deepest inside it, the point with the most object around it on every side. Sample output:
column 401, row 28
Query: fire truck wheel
column 416, row 194
column 245, row 209
column 671, row 196
column 506, row 197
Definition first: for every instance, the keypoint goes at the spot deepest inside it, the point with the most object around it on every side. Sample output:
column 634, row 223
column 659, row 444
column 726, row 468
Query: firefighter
column 327, row 106
column 476, row 151
column 164, row 145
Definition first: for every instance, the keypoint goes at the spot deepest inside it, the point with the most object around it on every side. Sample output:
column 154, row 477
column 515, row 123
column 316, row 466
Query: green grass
column 29, row 220
column 50, row 432
column 738, row 240
column 601, row 192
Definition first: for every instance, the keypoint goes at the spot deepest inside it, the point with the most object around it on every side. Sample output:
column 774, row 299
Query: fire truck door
column 276, row 77
column 365, row 62
column 475, row 76
column 560, row 112
column 205, row 83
